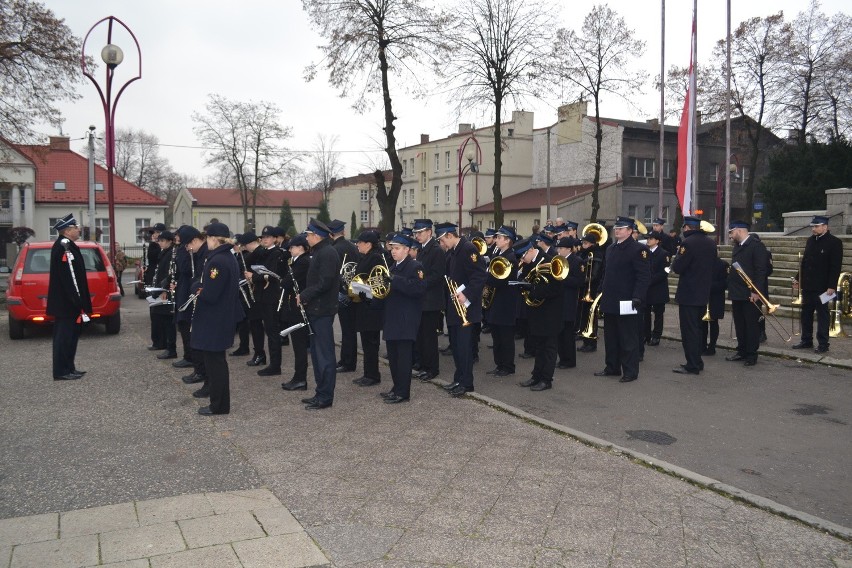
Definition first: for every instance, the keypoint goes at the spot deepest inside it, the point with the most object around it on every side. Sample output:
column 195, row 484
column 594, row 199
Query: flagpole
column 728, row 130
column 694, row 88
column 662, row 106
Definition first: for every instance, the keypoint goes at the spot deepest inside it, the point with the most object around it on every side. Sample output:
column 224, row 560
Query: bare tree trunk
column 387, row 200
column 498, row 164
column 806, row 104
column 596, row 181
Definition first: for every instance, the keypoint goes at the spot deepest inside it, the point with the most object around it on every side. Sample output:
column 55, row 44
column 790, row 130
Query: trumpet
column 461, row 309
column 770, row 307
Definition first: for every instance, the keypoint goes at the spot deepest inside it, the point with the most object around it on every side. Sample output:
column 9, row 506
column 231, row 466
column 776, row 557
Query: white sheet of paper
column 466, row 301
column 626, row 307
column 825, row 298
column 358, row 287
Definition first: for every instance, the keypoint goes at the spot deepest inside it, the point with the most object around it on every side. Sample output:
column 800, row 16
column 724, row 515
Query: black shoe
column 821, row 349
column 446, row 349
column 182, row 364
column 387, row 394
column 709, row 351
column 258, row 360
column 294, row 385
column 309, row 400
column 587, row 349
column 344, row 369
column 566, row 366
column 460, row 391
column 78, row 372
column 368, row 382
column 606, row 373
column 541, row 386
column 626, row 379
column 167, row 355
column 503, row 373
column 492, row 372
column 804, row 345
column 749, row 363
column 763, row 338
column 240, row 351
column 67, row 377
column 529, row 382
column 526, row 355
column 192, row 378
column 205, row 411
column 269, row 371
column 735, row 357
column 395, row 399
column 684, row 371
column 654, row 341
column 155, row 348
column 317, row 405
column 427, row 377
column 452, row 386
column 203, row 392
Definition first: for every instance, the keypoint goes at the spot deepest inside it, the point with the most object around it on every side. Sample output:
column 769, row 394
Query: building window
column 52, row 233
column 714, row 171
column 405, row 198
column 437, row 162
column 745, row 174
column 513, row 223
column 102, row 223
column 536, row 222
column 511, row 132
column 412, row 166
column 649, row 213
column 59, row 186
column 423, row 180
column 447, row 190
column 631, row 211
column 405, row 168
column 665, row 214
column 5, row 199
column 642, row 167
column 491, row 224
column 447, row 154
column 668, row 169
column 365, row 195
column 437, row 195
column 141, row 224
column 364, row 218
column 99, row 186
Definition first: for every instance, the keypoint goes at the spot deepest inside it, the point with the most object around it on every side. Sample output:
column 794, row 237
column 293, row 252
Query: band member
column 217, row 311
column 502, row 307
column 184, row 275
column 624, row 290
column 658, row 289
column 572, row 229
column 348, row 361
column 434, row 262
column 666, row 241
column 319, row 298
column 467, row 274
column 252, row 253
column 267, row 292
column 694, row 263
column 162, row 315
column 546, row 242
column 571, row 286
column 592, row 256
column 753, row 259
column 368, row 318
column 716, row 306
column 401, row 314
column 818, row 274
column 545, row 298
column 153, row 252
column 196, row 245
column 298, row 271
column 68, row 299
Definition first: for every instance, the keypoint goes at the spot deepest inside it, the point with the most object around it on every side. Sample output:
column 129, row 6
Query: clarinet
column 249, row 285
column 281, row 297
column 172, row 279
column 296, row 291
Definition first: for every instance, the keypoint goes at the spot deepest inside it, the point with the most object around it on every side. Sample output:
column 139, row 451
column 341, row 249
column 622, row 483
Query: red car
column 26, row 298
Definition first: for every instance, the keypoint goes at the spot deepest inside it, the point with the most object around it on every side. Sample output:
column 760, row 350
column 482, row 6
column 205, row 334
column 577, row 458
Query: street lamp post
column 723, row 185
column 472, row 165
column 112, row 56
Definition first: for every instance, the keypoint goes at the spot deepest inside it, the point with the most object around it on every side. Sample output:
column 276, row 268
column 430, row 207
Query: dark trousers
column 165, row 322
column 66, row 335
column 348, row 338
column 272, row 328
column 370, row 341
column 545, row 357
column 622, row 342
column 747, row 325
column 811, row 302
column 254, row 327
column 567, row 346
column 710, row 333
column 198, row 363
column 476, row 334
column 427, row 341
column 655, row 312
column 461, row 343
column 218, row 381
column 322, row 357
column 183, row 328
column 692, row 338
column 504, row 347
column 157, row 339
column 399, row 359
column 299, row 341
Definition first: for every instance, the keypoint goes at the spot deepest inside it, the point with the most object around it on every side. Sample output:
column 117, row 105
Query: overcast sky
column 258, row 49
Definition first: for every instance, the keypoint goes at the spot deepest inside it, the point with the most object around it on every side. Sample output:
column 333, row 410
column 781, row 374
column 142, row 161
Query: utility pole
column 92, row 231
column 547, row 214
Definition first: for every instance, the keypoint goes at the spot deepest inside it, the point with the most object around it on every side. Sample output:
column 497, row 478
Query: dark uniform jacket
column 572, row 286
column 465, row 266
column 218, row 308
column 185, row 274
column 163, row 279
column 404, row 303
column 546, row 319
column 717, row 289
column 821, row 263
column 753, row 258
column 628, row 272
column 267, row 289
column 434, row 261
column 504, row 306
column 153, row 256
column 63, row 299
column 694, row 264
column 368, row 317
column 298, row 269
column 669, row 243
column 597, row 267
column 319, row 297
column 344, row 247
column 658, row 289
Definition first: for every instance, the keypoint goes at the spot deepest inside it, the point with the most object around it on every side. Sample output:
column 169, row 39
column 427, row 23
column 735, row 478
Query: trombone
column 589, row 330
column 461, row 309
column 770, row 307
column 600, row 233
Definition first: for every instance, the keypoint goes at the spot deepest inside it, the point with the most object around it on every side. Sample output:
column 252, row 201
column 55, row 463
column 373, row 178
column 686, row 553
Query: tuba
column 480, row 245
column 598, row 231
column 840, row 307
column 557, row 268
column 499, row 268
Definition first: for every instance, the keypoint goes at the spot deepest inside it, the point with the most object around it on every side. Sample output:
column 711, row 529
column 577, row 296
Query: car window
column 93, row 260
column 38, row 261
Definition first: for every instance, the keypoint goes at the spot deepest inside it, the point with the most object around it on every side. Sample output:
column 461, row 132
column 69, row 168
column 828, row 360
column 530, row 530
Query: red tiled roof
column 533, row 199
column 212, row 197
column 54, row 165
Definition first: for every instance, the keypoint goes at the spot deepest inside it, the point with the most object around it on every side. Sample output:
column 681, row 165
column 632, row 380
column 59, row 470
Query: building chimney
column 464, row 128
column 653, row 121
column 574, row 111
column 424, row 138
column 60, row 143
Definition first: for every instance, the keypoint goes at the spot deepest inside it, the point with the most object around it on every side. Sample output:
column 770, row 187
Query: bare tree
column 595, row 61
column 248, row 137
column 837, row 89
column 326, row 164
column 39, row 66
column 367, row 42
column 497, row 60
column 137, row 156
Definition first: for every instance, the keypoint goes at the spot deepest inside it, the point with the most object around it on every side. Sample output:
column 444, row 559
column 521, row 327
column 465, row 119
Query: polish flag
column 685, row 136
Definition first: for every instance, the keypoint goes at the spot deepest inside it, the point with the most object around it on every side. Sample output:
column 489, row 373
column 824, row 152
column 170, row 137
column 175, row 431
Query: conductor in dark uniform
column 434, row 263
column 217, row 311
column 348, row 361
column 694, row 263
column 819, row 274
column 401, row 311
column 368, row 318
column 658, row 289
column 465, row 270
column 752, row 258
column 571, row 286
column 68, row 299
column 500, row 315
column 624, row 289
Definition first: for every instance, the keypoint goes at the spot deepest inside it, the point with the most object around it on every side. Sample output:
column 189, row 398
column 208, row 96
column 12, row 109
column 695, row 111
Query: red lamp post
column 471, row 166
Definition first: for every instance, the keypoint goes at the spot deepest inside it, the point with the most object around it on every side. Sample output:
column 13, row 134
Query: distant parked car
column 26, row 298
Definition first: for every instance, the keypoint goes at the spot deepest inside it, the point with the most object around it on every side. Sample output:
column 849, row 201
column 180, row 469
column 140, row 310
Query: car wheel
column 16, row 328
column 113, row 323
